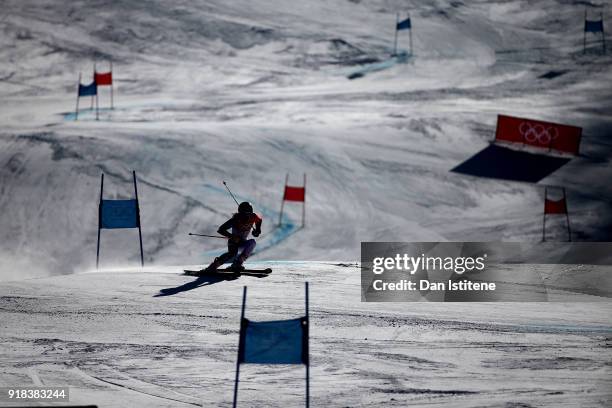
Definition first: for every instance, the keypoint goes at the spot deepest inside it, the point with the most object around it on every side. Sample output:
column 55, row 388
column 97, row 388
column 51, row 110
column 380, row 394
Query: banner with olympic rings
column 547, row 135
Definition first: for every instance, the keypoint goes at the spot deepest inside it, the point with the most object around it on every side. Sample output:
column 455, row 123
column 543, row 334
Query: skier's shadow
column 200, row 281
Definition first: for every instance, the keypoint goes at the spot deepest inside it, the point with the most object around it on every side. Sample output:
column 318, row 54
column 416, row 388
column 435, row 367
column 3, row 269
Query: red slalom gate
column 293, row 193
column 555, row 207
column 105, row 79
column 547, row 135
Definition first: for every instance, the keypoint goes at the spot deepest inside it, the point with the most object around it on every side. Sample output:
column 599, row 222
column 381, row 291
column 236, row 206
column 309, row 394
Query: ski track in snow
column 122, row 381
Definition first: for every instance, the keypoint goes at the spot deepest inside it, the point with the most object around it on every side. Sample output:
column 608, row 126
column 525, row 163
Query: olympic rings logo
column 538, row 133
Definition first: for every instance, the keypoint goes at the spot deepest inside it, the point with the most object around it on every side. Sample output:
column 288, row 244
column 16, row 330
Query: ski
column 226, row 271
column 267, row 270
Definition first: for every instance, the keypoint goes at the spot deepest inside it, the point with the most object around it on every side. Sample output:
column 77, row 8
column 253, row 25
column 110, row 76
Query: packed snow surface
column 158, row 338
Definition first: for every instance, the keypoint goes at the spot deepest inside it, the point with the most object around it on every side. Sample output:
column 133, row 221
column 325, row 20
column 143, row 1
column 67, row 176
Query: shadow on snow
column 198, row 282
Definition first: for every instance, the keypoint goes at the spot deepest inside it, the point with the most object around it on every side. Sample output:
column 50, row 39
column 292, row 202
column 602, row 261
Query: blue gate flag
column 274, row 342
column 88, row 90
column 593, row 26
column 119, row 214
column 404, row 25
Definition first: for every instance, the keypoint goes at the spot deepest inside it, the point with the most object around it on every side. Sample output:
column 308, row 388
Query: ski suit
column 241, row 225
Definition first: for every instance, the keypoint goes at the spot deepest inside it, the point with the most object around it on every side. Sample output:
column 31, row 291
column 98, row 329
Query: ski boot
column 236, row 266
column 213, row 266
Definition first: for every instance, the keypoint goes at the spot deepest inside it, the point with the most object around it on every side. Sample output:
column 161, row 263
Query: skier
column 241, row 224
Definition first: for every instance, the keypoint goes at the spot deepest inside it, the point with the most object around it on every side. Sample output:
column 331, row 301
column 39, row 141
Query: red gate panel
column 104, row 78
column 555, row 206
column 294, row 193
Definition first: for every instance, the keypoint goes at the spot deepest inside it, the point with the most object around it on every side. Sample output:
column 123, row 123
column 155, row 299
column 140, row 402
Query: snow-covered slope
column 160, row 339
column 247, row 91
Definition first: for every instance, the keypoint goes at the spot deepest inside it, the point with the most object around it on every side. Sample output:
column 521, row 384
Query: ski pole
column 230, row 191
column 209, row 236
